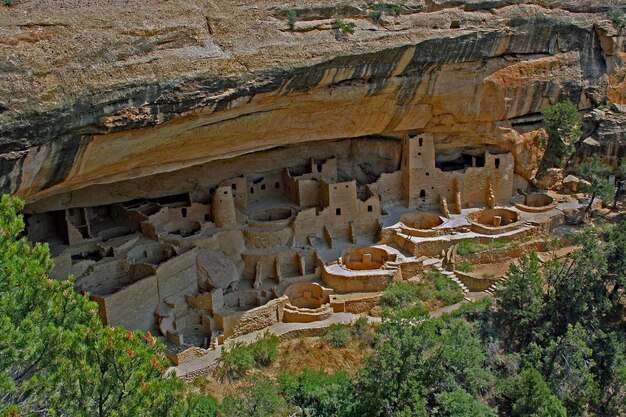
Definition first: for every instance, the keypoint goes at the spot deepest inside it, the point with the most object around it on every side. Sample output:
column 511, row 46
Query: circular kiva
column 421, row 220
column 361, row 258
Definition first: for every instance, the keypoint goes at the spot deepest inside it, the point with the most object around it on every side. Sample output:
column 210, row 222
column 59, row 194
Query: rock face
column 215, row 270
column 97, row 95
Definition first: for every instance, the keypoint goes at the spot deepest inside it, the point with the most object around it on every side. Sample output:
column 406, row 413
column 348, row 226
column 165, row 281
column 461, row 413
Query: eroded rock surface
column 103, row 94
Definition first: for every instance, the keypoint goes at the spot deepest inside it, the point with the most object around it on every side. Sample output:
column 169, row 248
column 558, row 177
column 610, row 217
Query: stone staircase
column 438, row 264
column 492, row 288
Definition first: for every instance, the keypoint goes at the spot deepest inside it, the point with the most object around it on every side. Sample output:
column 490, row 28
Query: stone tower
column 224, row 214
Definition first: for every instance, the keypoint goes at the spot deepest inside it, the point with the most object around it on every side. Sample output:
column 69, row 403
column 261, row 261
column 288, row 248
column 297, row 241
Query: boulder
column 574, row 215
column 215, row 270
column 549, row 178
column 572, row 183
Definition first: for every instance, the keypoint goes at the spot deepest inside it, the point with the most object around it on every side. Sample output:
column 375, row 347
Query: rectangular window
column 276, row 184
column 423, row 194
column 234, row 186
column 497, row 163
column 338, row 212
column 183, row 211
column 262, row 186
column 370, row 208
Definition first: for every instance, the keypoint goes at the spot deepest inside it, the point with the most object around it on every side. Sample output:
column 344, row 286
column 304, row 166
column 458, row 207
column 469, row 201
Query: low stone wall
column 512, row 251
column 363, row 281
column 293, row 314
column 354, row 303
column 258, row 318
column 475, row 283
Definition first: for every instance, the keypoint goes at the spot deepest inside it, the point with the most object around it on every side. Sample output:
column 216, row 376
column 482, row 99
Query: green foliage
column 417, row 359
column 235, row 362
column 9, row 3
column 563, row 125
column 291, row 18
column 567, row 361
column 561, row 318
column 202, row 406
column 56, row 357
column 459, row 403
column 596, row 173
column 465, row 267
column 319, row 394
column 447, row 290
column 400, row 294
column 345, row 27
column 337, row 335
column 259, row 398
column 521, row 298
column 467, row 247
column 265, row 349
column 379, row 9
column 617, row 17
column 534, row 398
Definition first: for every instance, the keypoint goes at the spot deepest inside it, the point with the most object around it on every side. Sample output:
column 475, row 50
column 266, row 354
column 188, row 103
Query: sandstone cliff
column 94, row 94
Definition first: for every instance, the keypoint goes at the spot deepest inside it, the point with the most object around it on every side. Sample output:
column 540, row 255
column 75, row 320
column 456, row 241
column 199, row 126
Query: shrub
column 448, row 291
column 345, row 27
column 9, row 3
column 319, row 394
column 235, row 361
column 450, row 297
column 360, row 326
column 465, row 267
column 291, row 18
column 399, row 294
column 563, row 125
column 618, row 18
column 202, row 405
column 265, row 349
column 467, row 247
column 498, row 244
column 337, row 335
column 381, row 8
column 259, row 398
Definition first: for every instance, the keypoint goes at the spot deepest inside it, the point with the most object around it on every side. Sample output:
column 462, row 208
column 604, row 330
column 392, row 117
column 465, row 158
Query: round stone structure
column 536, row 203
column 308, row 301
column 361, row 258
column 494, row 221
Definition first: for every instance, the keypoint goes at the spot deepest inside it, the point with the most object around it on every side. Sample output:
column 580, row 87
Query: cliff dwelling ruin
column 295, row 242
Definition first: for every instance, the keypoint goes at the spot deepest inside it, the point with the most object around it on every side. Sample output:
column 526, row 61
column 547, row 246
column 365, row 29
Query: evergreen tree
column 533, row 397
column 56, row 357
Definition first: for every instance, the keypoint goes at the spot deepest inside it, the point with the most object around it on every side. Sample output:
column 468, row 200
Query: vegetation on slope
column 552, row 344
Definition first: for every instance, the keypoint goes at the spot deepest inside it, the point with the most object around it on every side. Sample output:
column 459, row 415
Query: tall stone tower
column 224, row 214
column 418, row 163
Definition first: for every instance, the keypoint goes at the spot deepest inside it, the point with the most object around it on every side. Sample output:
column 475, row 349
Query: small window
column 338, row 211
column 233, row 186
column 428, row 173
column 225, row 192
column 262, row 186
column 419, row 154
column 497, row 163
column 207, row 217
column 370, row 209
column 347, row 186
column 251, row 190
column 183, row 211
column 423, row 194
column 421, row 141
column 276, row 184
